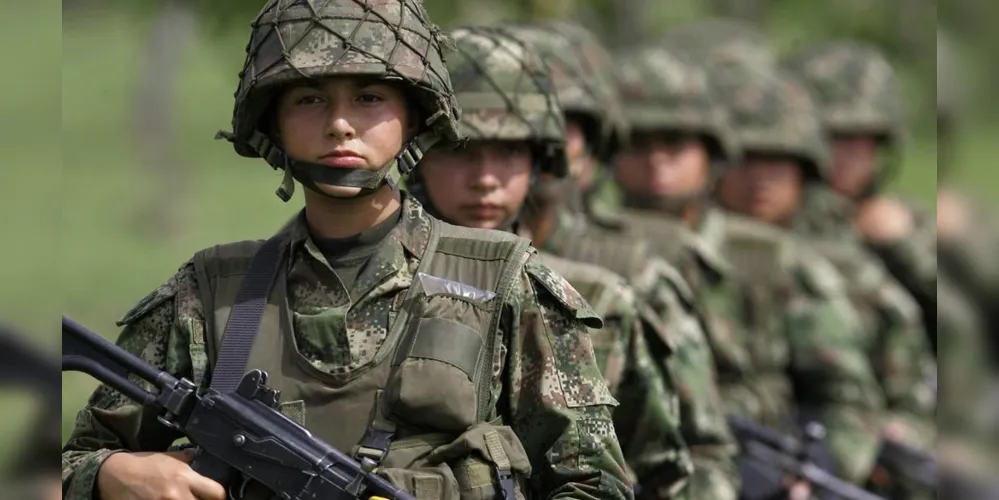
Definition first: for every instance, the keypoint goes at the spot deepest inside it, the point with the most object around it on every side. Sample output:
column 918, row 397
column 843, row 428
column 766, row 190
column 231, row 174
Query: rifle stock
column 239, row 435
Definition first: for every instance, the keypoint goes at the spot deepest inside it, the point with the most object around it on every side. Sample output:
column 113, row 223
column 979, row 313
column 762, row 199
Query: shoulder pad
column 677, row 282
column 758, row 240
column 563, row 292
column 894, row 296
column 607, row 292
column 708, row 257
column 818, row 274
column 161, row 294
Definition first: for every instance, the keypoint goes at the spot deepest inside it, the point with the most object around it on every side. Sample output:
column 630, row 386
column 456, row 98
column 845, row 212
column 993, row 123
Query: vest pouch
column 406, row 465
column 433, row 385
column 488, row 461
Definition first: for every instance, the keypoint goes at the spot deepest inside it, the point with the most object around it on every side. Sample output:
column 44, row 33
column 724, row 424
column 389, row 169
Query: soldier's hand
column 952, row 216
column 883, row 220
column 155, row 476
column 797, row 489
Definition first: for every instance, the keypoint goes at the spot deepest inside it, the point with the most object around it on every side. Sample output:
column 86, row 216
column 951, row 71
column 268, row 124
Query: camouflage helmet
column 722, row 40
column 506, row 93
column 583, row 85
column 661, row 90
column 855, row 88
column 296, row 40
column 772, row 112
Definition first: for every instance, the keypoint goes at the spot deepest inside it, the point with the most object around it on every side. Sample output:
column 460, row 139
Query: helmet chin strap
column 312, row 174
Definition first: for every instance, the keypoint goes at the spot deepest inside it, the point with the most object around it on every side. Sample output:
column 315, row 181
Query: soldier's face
column 581, row 163
column 855, row 159
column 481, row 185
column 343, row 122
column 664, row 165
column 773, row 187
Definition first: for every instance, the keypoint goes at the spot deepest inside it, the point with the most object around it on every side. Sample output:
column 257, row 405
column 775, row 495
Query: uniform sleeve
column 648, row 417
column 558, row 402
column 111, row 422
column 834, row 381
column 905, row 366
column 913, row 262
column 702, row 415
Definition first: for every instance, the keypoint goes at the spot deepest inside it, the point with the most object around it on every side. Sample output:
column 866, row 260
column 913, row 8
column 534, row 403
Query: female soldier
column 404, row 340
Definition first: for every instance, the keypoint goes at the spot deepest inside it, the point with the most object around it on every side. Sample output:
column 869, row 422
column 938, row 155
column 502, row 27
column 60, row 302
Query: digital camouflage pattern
column 771, row 112
column 854, row 87
column 683, row 333
column 296, row 40
column 584, row 89
column 506, row 93
column 648, row 417
column 803, row 354
column 547, row 386
column 662, row 92
column 722, row 41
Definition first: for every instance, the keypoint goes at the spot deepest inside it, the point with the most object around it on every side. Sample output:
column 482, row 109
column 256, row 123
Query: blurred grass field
column 105, row 264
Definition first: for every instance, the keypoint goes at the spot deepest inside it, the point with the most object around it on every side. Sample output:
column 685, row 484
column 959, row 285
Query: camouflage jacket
column 895, row 336
column 547, row 386
column 664, row 290
column 805, row 327
column 647, row 419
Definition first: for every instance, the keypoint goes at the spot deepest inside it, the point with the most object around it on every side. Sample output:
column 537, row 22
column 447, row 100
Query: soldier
column 857, row 93
column 391, row 335
column 576, row 58
column 777, row 126
column 797, row 357
column 508, row 177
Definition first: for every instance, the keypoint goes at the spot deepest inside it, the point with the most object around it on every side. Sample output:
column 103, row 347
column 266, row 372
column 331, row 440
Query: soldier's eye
column 369, row 98
column 308, row 99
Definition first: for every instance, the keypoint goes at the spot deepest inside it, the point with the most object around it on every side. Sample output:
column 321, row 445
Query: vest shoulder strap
column 488, row 261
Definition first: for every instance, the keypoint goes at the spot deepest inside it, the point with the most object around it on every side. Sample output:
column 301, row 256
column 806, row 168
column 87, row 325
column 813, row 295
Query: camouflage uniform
column 540, row 407
column 802, row 358
column 855, row 88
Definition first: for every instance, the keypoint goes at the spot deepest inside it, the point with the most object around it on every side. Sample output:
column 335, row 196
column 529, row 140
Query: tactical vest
column 419, row 408
column 864, row 279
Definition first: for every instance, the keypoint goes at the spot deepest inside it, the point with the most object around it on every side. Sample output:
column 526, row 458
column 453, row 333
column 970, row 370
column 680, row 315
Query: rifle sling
column 244, row 320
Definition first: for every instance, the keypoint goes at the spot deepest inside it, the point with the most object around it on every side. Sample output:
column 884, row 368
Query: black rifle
column 239, row 436
column 792, row 456
column 917, row 466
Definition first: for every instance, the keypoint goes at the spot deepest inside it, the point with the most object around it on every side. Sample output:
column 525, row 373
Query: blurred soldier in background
column 785, row 152
column 967, row 285
column 797, row 358
column 578, row 61
column 859, row 100
column 518, row 143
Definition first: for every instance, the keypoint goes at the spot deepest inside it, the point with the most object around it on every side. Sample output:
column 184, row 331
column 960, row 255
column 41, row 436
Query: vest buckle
column 506, row 483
